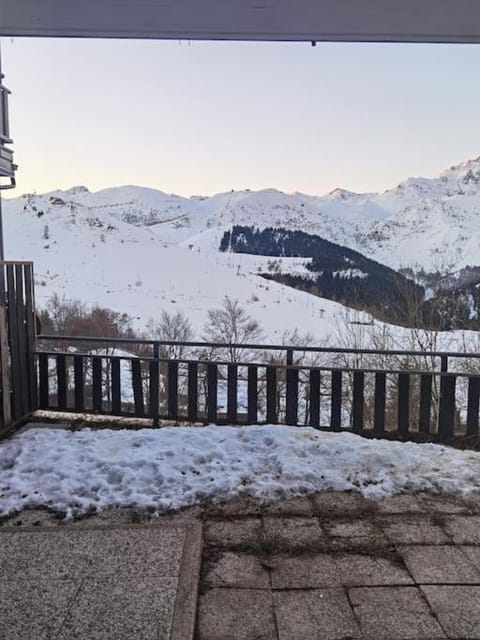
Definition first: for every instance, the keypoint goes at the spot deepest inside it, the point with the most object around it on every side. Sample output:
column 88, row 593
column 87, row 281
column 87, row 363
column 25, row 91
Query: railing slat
column 379, row 414
column 424, row 415
column 97, row 400
column 446, row 410
column 13, row 326
column 358, row 401
column 403, row 410
column 78, row 383
column 271, row 374
column 291, row 409
column 252, row 394
column 22, row 339
column 473, row 405
column 212, row 392
column 116, row 387
column 137, row 387
column 193, row 391
column 232, row 383
column 172, row 389
column 336, row 401
column 61, row 381
column 30, row 333
column 314, row 397
column 43, row 392
column 154, row 392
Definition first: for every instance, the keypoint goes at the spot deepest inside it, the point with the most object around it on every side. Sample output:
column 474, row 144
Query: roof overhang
column 295, row 20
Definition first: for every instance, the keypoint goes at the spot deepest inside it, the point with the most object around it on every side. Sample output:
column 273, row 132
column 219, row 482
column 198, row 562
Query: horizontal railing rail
column 261, row 347
column 390, row 400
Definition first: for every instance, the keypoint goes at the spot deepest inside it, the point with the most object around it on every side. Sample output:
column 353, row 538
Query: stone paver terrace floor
column 332, row 566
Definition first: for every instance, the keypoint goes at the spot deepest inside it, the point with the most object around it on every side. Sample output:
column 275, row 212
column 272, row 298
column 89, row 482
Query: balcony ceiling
column 300, row 20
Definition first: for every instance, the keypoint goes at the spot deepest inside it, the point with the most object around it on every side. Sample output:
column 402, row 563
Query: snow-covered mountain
column 140, row 250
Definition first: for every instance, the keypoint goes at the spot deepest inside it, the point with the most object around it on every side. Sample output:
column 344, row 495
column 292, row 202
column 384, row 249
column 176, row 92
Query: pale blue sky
column 208, row 117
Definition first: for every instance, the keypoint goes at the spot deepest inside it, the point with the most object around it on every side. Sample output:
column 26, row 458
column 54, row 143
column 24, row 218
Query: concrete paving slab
column 121, row 609
column 457, row 609
column 362, row 570
column 243, row 506
column 341, row 503
column 404, row 503
column 350, row 529
column 34, row 609
column 463, row 529
column 412, row 530
column 303, row 572
column 247, row 531
column 30, row 518
column 128, row 582
column 236, row 614
column 447, row 504
column 237, row 570
column 394, row 613
column 78, row 553
column 473, row 554
column 291, row 507
column 439, row 565
column 321, row 613
column 293, row 532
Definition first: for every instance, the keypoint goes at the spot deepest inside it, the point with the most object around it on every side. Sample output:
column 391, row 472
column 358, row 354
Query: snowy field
column 175, row 467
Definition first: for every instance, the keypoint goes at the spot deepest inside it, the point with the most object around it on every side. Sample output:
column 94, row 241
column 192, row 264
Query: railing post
column 444, row 363
column 289, row 357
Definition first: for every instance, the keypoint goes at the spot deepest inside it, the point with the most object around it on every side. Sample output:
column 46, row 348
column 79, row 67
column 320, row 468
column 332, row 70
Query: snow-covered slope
column 141, row 250
column 84, row 249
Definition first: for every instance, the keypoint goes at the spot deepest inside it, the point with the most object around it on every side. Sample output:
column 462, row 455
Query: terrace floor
column 333, row 566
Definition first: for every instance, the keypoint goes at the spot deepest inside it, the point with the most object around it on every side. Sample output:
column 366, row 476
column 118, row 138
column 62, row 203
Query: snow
column 142, row 251
column 173, row 467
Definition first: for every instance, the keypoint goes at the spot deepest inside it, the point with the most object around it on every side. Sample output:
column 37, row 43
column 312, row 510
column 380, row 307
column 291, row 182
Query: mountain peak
column 77, row 189
column 341, row 194
column 467, row 168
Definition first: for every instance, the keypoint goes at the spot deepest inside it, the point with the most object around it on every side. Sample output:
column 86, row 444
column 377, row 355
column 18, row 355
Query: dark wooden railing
column 409, row 394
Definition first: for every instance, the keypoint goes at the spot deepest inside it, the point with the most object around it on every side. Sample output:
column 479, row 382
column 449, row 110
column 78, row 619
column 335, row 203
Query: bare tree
column 171, row 327
column 231, row 325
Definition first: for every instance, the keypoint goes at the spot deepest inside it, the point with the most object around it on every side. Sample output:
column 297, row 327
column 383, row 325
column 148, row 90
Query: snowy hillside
column 87, row 251
column 140, row 250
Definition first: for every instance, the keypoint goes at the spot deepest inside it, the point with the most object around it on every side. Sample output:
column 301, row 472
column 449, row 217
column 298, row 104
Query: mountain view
column 293, row 261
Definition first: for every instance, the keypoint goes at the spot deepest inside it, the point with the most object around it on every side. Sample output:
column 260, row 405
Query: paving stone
column 341, row 503
column 439, row 564
column 244, row 506
column 457, row 609
column 446, row 504
column 404, row 530
column 293, row 532
column 77, row 553
column 473, row 554
column 351, row 529
column 30, row 518
column 33, row 609
column 463, row 529
column 404, row 503
column 362, row 570
column 292, row 506
column 394, row 613
column 303, row 571
column 238, row 532
column 318, row 614
column 236, row 614
column 111, row 609
column 240, row 570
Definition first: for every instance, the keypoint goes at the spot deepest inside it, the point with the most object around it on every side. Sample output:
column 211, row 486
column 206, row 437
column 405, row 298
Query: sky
column 204, row 117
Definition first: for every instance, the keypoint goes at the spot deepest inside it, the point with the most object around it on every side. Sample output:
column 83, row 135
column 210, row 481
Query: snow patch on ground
column 174, row 467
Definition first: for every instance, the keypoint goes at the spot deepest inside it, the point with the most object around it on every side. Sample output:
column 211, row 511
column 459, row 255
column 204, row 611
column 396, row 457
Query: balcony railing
column 407, row 394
